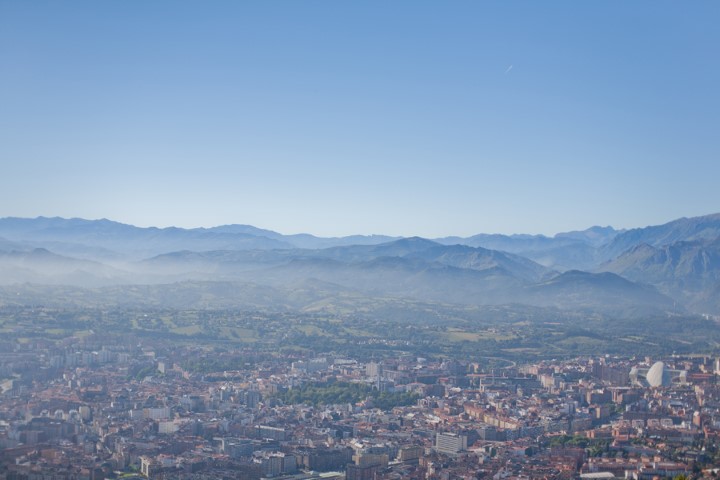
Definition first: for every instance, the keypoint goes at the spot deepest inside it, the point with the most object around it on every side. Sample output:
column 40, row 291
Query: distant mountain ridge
column 685, row 270
column 564, row 251
column 670, row 266
column 683, row 229
column 141, row 242
column 108, row 238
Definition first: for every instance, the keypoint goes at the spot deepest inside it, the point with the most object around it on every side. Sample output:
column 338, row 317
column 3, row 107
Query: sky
column 370, row 117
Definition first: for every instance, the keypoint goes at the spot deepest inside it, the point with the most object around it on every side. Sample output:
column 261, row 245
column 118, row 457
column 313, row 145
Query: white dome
column 657, row 376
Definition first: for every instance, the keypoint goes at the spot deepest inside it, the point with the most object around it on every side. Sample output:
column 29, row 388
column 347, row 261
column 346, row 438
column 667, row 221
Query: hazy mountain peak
column 703, row 228
column 245, row 229
column 595, row 236
column 413, row 241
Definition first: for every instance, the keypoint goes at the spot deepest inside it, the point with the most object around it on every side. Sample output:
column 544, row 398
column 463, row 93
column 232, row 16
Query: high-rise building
column 450, row 443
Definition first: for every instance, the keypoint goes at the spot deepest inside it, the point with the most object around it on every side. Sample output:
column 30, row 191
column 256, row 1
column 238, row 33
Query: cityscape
column 232, row 353
column 148, row 404
column 359, row 240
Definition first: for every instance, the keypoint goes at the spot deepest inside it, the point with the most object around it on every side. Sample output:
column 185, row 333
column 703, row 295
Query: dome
column 657, row 376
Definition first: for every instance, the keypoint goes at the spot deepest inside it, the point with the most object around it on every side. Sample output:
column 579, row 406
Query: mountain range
column 670, row 267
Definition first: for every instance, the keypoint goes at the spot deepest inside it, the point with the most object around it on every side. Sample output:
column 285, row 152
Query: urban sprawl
column 98, row 406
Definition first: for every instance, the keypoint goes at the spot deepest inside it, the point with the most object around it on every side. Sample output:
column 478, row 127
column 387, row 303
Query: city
column 124, row 405
column 359, row 240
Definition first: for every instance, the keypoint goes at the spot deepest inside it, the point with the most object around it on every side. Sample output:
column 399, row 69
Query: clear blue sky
column 402, row 117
